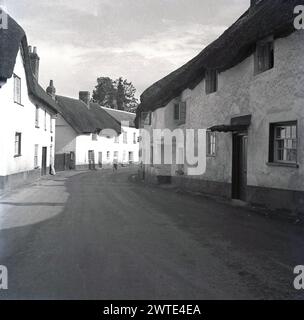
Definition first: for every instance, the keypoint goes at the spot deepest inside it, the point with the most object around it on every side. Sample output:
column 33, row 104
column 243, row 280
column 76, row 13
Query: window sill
column 19, row 103
column 37, row 127
column 257, row 73
column 17, row 155
column 279, row 164
column 211, row 93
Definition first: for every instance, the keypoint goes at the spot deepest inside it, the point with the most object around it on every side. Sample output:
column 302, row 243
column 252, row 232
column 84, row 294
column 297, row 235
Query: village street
column 104, row 235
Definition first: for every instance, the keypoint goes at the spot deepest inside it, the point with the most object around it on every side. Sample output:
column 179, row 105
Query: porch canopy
column 238, row 124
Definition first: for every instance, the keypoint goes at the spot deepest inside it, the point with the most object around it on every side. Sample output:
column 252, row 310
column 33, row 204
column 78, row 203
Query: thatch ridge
column 121, row 115
column 84, row 119
column 270, row 17
column 11, row 40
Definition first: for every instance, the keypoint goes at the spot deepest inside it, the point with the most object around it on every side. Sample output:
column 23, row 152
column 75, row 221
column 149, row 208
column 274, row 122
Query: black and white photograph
column 152, row 157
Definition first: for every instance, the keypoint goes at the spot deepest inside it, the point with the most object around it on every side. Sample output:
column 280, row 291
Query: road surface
column 102, row 235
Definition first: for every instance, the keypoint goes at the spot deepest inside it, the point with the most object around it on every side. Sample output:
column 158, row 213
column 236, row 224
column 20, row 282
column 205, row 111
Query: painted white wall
column 273, row 96
column 21, row 118
column 65, row 137
column 106, row 145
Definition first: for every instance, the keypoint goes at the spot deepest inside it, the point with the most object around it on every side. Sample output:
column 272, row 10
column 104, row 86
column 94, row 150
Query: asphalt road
column 102, row 235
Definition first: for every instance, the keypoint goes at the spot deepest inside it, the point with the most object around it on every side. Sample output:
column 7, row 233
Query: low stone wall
column 220, row 189
column 284, row 202
column 19, row 179
column 289, row 201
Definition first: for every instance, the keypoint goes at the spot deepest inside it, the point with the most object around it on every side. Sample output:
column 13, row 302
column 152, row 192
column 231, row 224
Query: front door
column 100, row 159
column 43, row 161
column 91, row 160
column 239, row 167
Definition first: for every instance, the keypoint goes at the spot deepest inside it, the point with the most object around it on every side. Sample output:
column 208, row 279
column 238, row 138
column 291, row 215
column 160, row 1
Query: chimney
column 84, row 96
column 51, row 90
column 34, row 58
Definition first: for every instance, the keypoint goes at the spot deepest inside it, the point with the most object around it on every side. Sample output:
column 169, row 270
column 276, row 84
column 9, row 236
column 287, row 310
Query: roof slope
column 106, row 120
column 11, row 40
column 85, row 120
column 121, row 115
column 270, row 17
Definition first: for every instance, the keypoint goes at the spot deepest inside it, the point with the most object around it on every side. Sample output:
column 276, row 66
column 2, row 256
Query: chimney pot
column 51, row 90
column 34, row 58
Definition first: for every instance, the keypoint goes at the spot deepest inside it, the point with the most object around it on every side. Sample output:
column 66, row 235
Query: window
column 108, row 155
column 94, row 137
column 36, row 156
column 211, row 144
column 45, row 120
column 17, row 144
column 17, row 89
column 134, row 138
column 180, row 112
column 283, row 143
column 125, row 137
column 264, row 56
column 146, row 118
column 116, row 155
column 51, row 124
column 116, row 139
column 211, row 81
column 37, row 117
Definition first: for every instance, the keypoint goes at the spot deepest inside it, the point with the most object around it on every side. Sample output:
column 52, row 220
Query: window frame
column 37, row 113
column 17, row 94
column 181, row 107
column 146, row 118
column 125, row 137
column 36, row 155
column 273, row 142
column 211, row 81
column 210, row 143
column 45, row 122
column 260, row 59
column 177, row 106
column 51, row 125
column 18, row 153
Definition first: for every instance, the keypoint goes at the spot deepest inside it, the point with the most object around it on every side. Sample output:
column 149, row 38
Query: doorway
column 100, row 159
column 239, row 166
column 43, row 161
column 91, row 159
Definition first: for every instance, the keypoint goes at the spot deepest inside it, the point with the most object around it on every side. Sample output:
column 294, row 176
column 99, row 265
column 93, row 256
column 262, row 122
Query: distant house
column 83, row 130
column 123, row 149
column 27, row 124
column 247, row 89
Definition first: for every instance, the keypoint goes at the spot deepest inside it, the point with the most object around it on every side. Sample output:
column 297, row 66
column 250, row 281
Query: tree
column 105, row 92
column 118, row 94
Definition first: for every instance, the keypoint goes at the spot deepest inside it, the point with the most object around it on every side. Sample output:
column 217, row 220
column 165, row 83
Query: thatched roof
column 11, row 40
column 83, row 119
column 121, row 115
column 270, row 17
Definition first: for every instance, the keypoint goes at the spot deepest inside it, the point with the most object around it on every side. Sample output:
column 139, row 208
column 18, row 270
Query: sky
column 140, row 40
